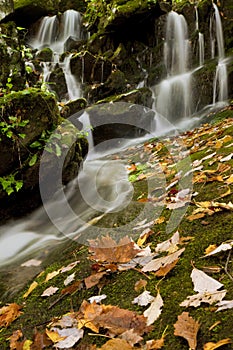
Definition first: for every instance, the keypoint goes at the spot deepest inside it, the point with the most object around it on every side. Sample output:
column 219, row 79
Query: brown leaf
column 14, row 339
column 164, row 270
column 131, row 337
column 186, row 327
column 41, row 341
column 77, row 285
column 93, row 280
column 155, row 344
column 106, row 249
column 213, row 346
column 116, row 344
column 156, row 264
column 140, row 285
column 9, row 313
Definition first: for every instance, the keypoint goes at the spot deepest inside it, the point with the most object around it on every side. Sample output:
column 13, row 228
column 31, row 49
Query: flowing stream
column 102, row 185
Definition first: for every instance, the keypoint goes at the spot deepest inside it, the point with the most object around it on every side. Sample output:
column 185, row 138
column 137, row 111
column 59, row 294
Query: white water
column 173, row 95
column 54, row 34
column 220, row 84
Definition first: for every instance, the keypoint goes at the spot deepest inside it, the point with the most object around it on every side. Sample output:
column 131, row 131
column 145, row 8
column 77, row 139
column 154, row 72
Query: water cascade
column 173, row 95
column 55, row 34
column 200, row 40
column 220, row 86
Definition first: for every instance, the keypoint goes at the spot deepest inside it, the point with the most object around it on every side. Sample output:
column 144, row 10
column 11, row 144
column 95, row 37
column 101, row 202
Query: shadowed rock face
column 6, row 7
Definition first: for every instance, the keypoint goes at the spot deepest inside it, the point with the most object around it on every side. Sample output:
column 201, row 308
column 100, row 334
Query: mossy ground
column 119, row 286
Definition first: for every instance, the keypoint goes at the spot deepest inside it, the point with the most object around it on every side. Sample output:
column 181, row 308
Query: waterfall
column 200, row 40
column 54, row 33
column 220, row 85
column 173, row 95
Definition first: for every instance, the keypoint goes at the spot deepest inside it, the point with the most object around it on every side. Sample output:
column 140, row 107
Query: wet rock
column 6, row 7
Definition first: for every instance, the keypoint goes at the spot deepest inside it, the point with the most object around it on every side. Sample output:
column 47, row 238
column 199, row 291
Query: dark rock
column 6, row 7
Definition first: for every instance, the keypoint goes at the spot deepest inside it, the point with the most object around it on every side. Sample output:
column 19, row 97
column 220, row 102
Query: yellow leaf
column 218, row 144
column 210, row 248
column 226, row 138
column 88, row 324
column 30, row 289
column 195, row 216
column 229, row 180
column 51, row 275
column 54, row 336
column 159, row 220
column 27, row 345
column 213, row 346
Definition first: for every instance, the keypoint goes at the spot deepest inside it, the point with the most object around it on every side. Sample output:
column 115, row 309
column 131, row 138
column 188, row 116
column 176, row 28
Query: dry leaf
column 224, row 305
column 229, row 180
column 210, row 248
column 70, row 337
column 51, row 275
column 156, row 264
column 97, row 298
column 166, row 245
column 69, row 279
column 154, row 311
column 143, row 299
column 213, row 346
column 204, row 283
column 70, row 266
column 14, row 339
column 54, row 335
column 9, row 313
column 106, row 249
column 208, row 298
column 221, row 248
column 155, row 344
column 225, row 159
column 193, row 217
column 41, row 341
column 131, row 337
column 30, row 289
column 73, row 288
column 140, row 285
column 187, row 328
column 116, row 344
column 144, row 236
column 93, row 280
column 163, row 271
column 49, row 291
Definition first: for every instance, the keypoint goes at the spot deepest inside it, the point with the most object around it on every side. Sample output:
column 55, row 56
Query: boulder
column 6, row 7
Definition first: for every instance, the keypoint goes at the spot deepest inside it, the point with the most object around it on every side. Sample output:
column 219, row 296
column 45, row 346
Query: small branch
column 226, row 266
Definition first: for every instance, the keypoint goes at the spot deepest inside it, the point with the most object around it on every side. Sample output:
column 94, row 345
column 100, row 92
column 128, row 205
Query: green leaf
column 18, row 185
column 33, row 160
column 22, row 136
column 36, row 144
column 58, row 150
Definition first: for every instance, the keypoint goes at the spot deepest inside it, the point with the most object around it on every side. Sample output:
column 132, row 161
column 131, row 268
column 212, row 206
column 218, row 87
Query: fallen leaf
column 9, row 313
column 69, row 279
column 72, row 288
column 221, row 248
column 229, row 180
column 27, row 344
column 166, row 245
column 14, row 339
column 131, row 337
column 143, row 299
column 154, row 310
column 193, row 217
column 214, row 325
column 204, row 283
column 94, row 279
column 116, row 344
column 97, row 298
column 106, row 249
column 49, row 291
column 224, row 305
column 208, row 298
column 30, row 289
column 187, row 328
column 213, row 346
column 51, row 275
column 163, row 271
column 70, row 337
column 144, row 236
column 70, row 266
column 155, row 344
column 225, row 159
column 156, row 264
column 140, row 285
column 54, row 335
column 210, row 248
column 41, row 341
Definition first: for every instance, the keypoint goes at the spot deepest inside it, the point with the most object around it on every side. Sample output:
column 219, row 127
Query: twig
column 140, row 271
column 226, row 265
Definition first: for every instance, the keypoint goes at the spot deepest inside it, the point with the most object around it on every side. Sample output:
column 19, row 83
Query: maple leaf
column 69, row 337
column 116, row 344
column 97, row 298
column 106, row 249
column 9, row 313
column 131, row 337
column 94, row 279
column 164, row 270
column 186, row 327
column 14, row 339
column 40, row 341
column 155, row 344
column 143, row 299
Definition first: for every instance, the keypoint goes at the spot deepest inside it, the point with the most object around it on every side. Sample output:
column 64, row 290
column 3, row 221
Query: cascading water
column 201, row 50
column 173, row 95
column 220, row 86
column 54, row 34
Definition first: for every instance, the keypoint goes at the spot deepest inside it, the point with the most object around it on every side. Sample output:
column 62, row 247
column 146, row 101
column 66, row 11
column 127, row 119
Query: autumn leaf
column 68, row 337
column 54, row 335
column 164, row 270
column 204, row 283
column 106, row 249
column 213, row 346
column 49, row 291
column 156, row 264
column 143, row 299
column 187, row 328
column 116, row 344
column 224, row 305
column 30, row 289
column 213, row 249
column 14, row 339
column 155, row 344
column 140, row 285
column 51, row 275
column 154, row 310
column 208, row 298
column 94, row 279
column 131, row 337
column 9, row 313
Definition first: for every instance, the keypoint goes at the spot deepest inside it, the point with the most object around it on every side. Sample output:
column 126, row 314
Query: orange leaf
column 140, row 285
column 14, row 339
column 163, row 271
column 106, row 249
column 9, row 313
column 213, row 346
column 187, row 328
column 116, row 344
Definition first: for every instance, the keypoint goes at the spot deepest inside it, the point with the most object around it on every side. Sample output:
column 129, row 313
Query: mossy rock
column 7, row 7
